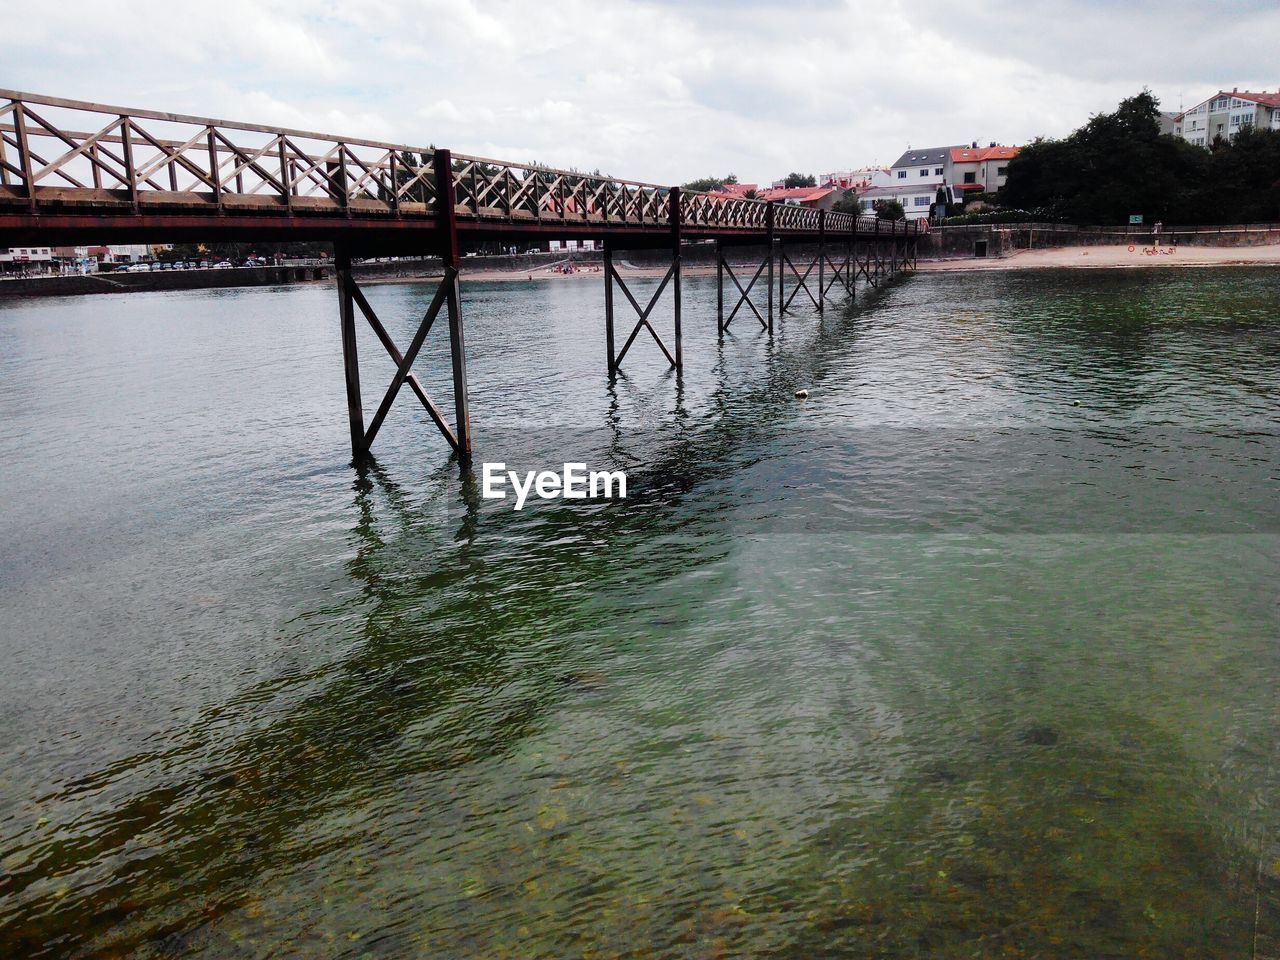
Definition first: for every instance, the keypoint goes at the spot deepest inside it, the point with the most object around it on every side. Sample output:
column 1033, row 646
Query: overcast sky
column 662, row 91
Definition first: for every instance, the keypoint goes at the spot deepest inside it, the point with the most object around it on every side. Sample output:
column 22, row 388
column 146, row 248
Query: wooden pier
column 73, row 173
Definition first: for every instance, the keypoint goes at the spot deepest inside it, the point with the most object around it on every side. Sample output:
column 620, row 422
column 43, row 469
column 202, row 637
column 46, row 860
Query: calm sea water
column 971, row 654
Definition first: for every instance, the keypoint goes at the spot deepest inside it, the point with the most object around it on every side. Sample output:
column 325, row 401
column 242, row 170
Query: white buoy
column 802, row 394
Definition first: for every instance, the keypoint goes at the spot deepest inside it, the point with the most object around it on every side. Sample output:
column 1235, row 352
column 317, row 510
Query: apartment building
column 918, row 175
column 1226, row 114
column 918, row 168
column 975, row 169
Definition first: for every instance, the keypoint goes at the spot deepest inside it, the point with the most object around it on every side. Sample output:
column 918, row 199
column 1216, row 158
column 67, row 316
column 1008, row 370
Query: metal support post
column 452, row 262
column 350, row 360
column 608, row 307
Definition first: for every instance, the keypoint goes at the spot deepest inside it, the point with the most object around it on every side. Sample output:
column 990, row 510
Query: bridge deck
column 170, row 177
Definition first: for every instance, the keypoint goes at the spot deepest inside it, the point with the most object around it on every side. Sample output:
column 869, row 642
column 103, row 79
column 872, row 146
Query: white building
column 560, row 246
column 127, row 252
column 861, row 179
column 918, row 168
column 26, row 254
column 47, row 260
column 26, row 260
column 1226, row 114
column 916, row 199
column 975, row 169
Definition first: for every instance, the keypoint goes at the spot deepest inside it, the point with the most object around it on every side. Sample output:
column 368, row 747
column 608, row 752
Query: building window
column 902, row 174
column 971, row 177
column 921, row 201
column 1002, row 171
column 924, row 171
column 937, row 171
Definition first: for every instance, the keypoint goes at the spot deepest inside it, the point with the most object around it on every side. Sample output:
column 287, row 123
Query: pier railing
column 73, row 151
column 495, row 189
column 89, row 157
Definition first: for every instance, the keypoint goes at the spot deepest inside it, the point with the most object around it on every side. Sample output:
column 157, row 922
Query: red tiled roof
column 798, row 194
column 735, row 189
column 970, row 155
column 1264, row 98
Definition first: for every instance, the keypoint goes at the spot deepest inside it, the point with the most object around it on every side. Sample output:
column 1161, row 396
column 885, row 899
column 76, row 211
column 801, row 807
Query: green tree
column 890, row 210
column 1117, row 164
column 1243, row 182
column 800, row 180
column 848, row 203
column 707, row 184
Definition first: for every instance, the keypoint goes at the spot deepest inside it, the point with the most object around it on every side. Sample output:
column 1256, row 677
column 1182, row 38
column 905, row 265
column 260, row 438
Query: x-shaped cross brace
column 864, row 268
column 840, row 271
column 404, row 361
column 802, row 285
column 744, row 294
column 643, row 315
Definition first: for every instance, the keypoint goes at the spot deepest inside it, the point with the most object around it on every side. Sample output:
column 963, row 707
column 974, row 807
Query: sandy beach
column 1114, row 256
column 624, row 269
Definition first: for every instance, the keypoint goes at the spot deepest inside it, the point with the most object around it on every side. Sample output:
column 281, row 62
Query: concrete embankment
column 1003, row 240
column 159, row 280
column 404, row 269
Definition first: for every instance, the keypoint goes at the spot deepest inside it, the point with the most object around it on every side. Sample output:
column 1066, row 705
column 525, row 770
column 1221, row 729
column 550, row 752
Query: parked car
column 222, row 265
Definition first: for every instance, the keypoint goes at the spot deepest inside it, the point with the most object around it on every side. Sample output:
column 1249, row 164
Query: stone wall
column 1004, row 239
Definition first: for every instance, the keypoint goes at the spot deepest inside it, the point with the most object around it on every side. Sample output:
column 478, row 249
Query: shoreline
column 525, row 276
column 1112, row 257
column 1115, row 257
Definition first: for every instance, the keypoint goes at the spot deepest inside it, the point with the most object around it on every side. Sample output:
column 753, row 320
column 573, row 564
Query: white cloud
column 656, row 90
column 441, row 110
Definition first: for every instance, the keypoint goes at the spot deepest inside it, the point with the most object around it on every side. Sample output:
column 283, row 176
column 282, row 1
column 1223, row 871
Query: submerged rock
column 1040, row 736
column 585, row 681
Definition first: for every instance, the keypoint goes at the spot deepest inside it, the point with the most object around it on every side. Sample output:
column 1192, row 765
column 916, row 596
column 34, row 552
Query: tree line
column 1120, row 164
column 708, row 184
